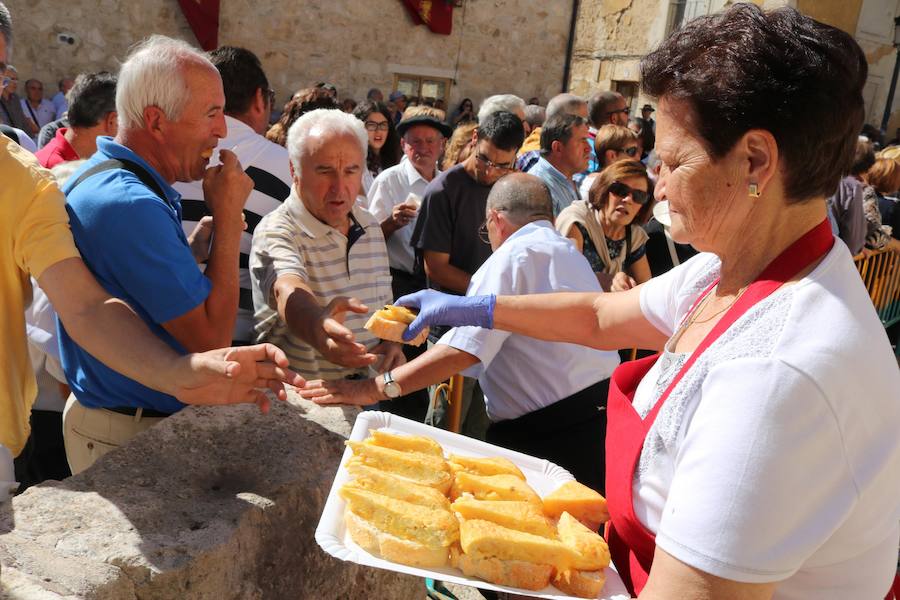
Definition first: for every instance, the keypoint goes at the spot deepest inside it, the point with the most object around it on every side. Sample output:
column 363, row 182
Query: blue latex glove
column 436, row 308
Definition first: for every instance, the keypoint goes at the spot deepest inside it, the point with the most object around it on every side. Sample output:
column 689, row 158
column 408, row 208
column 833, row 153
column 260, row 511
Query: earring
column 753, row 190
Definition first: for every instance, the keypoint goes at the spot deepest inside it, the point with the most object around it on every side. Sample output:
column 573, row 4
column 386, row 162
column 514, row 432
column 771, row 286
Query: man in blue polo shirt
column 126, row 221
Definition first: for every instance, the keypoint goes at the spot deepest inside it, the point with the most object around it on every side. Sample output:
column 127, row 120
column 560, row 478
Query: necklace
column 700, row 309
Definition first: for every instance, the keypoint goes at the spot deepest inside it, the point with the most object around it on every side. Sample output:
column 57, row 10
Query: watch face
column 391, row 389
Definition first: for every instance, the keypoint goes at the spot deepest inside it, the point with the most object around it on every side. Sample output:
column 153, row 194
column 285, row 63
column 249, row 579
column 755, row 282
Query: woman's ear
column 759, row 154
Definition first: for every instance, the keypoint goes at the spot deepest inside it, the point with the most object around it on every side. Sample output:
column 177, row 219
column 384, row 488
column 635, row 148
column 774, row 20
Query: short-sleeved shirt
column 35, row 233
column 131, row 240
column 43, row 114
column 562, row 190
column 519, row 374
column 290, row 240
column 56, row 151
column 389, row 189
column 776, row 458
column 268, row 165
column 452, row 212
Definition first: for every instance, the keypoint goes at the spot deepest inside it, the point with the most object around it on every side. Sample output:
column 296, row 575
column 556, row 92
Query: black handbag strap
column 127, row 165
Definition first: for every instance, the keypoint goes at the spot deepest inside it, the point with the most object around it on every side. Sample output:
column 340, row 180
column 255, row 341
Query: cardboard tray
column 542, row 476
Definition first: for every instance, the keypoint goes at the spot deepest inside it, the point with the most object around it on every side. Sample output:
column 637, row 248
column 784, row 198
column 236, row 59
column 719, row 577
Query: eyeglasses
column 483, row 233
column 4, row 82
column 270, row 94
column 625, row 110
column 376, row 126
column 632, row 151
column 490, row 165
column 623, row 191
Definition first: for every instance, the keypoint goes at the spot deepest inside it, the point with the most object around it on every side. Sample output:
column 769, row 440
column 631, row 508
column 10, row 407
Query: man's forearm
column 439, row 363
column 448, row 277
column 299, row 309
column 388, row 227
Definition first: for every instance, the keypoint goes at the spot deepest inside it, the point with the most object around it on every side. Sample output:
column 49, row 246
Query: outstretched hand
column 340, row 391
column 436, row 308
column 234, row 376
column 335, row 341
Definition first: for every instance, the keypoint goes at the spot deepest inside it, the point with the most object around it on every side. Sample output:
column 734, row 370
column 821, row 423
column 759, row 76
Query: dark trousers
column 570, row 432
column 414, row 405
column 44, row 455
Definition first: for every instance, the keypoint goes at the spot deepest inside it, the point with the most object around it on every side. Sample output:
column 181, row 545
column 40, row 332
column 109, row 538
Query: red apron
column 630, row 543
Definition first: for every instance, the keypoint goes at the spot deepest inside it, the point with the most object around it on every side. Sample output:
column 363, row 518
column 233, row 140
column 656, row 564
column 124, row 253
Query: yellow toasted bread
column 425, row 469
column 578, row 500
column 483, row 538
column 405, row 443
column 484, row 466
column 591, row 548
column 514, row 573
column 522, row 516
column 391, row 547
column 584, row 584
column 493, row 487
column 429, row 526
column 390, row 322
column 386, row 484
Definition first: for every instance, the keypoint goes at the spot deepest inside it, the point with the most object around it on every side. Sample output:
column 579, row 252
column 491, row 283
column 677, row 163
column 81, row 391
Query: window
column 628, row 89
column 682, row 11
column 423, row 87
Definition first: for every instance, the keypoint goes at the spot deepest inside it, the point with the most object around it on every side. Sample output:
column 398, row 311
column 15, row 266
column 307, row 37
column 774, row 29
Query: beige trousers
column 89, row 433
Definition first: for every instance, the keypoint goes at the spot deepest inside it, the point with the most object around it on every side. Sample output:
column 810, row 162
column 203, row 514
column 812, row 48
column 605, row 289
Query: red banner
column 203, row 17
column 436, row 14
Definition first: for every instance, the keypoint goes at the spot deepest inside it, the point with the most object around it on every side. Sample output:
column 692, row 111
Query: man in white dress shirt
column 545, row 399
column 248, row 104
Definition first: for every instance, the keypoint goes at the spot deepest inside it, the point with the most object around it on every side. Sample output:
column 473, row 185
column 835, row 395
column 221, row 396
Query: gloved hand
column 436, row 308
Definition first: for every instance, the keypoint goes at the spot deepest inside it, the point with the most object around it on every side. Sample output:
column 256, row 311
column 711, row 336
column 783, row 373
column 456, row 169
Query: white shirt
column 269, row 167
column 390, row 188
column 777, row 456
column 60, row 104
column 43, row 349
column 45, row 112
column 519, row 374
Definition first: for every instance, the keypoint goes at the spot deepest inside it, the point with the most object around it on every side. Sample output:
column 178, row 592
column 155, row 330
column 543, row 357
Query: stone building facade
column 612, row 36
column 497, row 46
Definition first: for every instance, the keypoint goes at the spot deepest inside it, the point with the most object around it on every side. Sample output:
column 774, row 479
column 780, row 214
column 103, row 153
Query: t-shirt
column 35, row 234
column 777, row 458
column 451, row 214
column 56, row 151
column 131, row 240
column 267, row 164
column 519, row 374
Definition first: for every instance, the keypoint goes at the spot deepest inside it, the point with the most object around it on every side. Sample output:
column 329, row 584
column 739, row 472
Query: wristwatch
column 391, row 387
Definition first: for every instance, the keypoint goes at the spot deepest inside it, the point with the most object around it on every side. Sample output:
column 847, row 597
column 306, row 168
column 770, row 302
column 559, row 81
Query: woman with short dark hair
column 606, row 226
column 758, row 456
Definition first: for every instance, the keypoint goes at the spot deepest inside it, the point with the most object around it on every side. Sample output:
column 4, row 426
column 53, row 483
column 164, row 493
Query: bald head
column 522, row 198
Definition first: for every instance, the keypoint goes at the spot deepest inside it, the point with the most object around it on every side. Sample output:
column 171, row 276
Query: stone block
column 212, row 503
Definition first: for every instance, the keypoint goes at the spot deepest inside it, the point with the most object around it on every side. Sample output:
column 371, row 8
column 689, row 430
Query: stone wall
column 212, row 504
column 497, row 46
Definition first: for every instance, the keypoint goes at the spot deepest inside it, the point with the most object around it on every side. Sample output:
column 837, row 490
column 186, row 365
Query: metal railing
column 880, row 272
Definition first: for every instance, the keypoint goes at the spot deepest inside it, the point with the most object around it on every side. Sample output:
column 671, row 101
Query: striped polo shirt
column 291, row 241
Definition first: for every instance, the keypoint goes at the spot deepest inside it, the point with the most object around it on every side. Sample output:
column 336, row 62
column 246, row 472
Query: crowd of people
column 218, row 220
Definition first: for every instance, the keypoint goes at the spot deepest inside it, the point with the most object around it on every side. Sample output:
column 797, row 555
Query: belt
column 131, row 411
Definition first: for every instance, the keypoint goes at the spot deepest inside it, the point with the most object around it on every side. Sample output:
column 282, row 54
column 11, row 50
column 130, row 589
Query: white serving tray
column 542, row 476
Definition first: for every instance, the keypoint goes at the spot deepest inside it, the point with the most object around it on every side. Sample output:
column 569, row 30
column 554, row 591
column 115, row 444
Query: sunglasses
column 623, row 191
column 4, row 82
column 625, row 110
column 632, row 152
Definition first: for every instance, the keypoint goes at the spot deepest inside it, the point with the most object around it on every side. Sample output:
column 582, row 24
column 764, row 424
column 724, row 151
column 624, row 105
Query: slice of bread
column 390, row 322
column 591, row 548
column 399, row 489
column 390, row 547
column 428, row 526
column 493, row 487
column 578, row 500
column 424, row 469
column 521, row 516
column 514, row 573
column 483, row 538
column 584, row 584
column 404, row 443
column 484, row 466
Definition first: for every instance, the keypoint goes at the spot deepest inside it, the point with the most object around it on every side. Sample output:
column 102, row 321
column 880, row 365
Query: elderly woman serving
column 758, row 455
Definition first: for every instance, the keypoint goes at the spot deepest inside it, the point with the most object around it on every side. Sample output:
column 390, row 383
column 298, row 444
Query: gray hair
column 565, row 103
column 321, row 121
column 599, row 105
column 5, row 24
column 154, row 75
column 535, row 115
column 522, row 197
column 507, row 102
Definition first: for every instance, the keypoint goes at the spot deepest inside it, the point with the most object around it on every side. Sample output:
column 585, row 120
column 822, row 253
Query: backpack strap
column 127, row 165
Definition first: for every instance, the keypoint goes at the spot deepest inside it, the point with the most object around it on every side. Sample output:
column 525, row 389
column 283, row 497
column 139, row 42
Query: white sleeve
column 760, row 479
column 381, row 204
column 666, row 298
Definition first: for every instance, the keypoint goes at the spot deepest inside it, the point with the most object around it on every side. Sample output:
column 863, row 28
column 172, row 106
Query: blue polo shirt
column 133, row 243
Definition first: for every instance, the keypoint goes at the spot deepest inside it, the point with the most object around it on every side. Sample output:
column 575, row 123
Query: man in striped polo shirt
column 248, row 104
column 319, row 263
